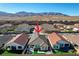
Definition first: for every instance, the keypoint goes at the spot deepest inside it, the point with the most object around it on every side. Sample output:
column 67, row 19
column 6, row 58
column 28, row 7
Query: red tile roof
column 22, row 39
column 54, row 38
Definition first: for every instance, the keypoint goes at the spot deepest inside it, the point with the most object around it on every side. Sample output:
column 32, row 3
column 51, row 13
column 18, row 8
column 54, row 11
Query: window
column 62, row 45
column 37, row 46
column 75, row 45
column 46, row 48
column 67, row 45
column 42, row 48
column 20, row 47
column 56, row 47
column 13, row 47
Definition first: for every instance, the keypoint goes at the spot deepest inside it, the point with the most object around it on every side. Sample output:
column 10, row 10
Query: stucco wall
column 14, row 44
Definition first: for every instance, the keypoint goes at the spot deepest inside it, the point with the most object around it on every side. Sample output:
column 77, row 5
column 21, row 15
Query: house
column 73, row 39
column 38, row 43
column 59, row 26
column 58, row 42
column 75, row 29
column 4, row 39
column 77, row 24
column 18, row 42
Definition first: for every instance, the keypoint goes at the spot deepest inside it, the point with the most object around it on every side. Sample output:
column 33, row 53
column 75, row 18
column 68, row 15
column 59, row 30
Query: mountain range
column 23, row 13
column 31, row 16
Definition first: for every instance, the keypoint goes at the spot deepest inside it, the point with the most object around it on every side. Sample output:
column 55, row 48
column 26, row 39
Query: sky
column 65, row 8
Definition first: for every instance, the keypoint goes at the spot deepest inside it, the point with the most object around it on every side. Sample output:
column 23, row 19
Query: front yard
column 6, row 53
column 37, row 53
column 61, row 52
column 9, row 53
column 52, row 53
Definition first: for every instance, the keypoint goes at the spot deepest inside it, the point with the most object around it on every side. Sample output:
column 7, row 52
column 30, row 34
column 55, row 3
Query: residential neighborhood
column 39, row 29
column 44, row 39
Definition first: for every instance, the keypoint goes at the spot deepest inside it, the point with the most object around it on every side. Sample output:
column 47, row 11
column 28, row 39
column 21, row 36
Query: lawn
column 42, row 52
column 60, row 52
column 6, row 53
column 56, row 52
column 38, row 52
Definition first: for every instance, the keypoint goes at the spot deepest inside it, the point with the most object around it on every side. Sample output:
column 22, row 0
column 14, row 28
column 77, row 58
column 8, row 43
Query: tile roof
column 33, row 37
column 20, row 39
column 5, row 38
column 54, row 38
column 73, row 38
column 38, row 39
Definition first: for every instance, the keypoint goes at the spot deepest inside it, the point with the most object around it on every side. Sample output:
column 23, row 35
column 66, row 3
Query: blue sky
column 66, row 8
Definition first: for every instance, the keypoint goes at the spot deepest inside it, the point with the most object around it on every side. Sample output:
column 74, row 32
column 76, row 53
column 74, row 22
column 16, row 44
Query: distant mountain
column 23, row 13
column 5, row 13
column 30, row 16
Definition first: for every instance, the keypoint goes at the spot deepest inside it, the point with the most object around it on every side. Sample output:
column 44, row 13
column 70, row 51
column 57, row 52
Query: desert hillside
column 29, row 16
column 38, row 18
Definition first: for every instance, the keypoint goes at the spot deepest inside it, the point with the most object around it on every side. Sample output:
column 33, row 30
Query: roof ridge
column 63, row 38
column 34, row 38
column 52, row 39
